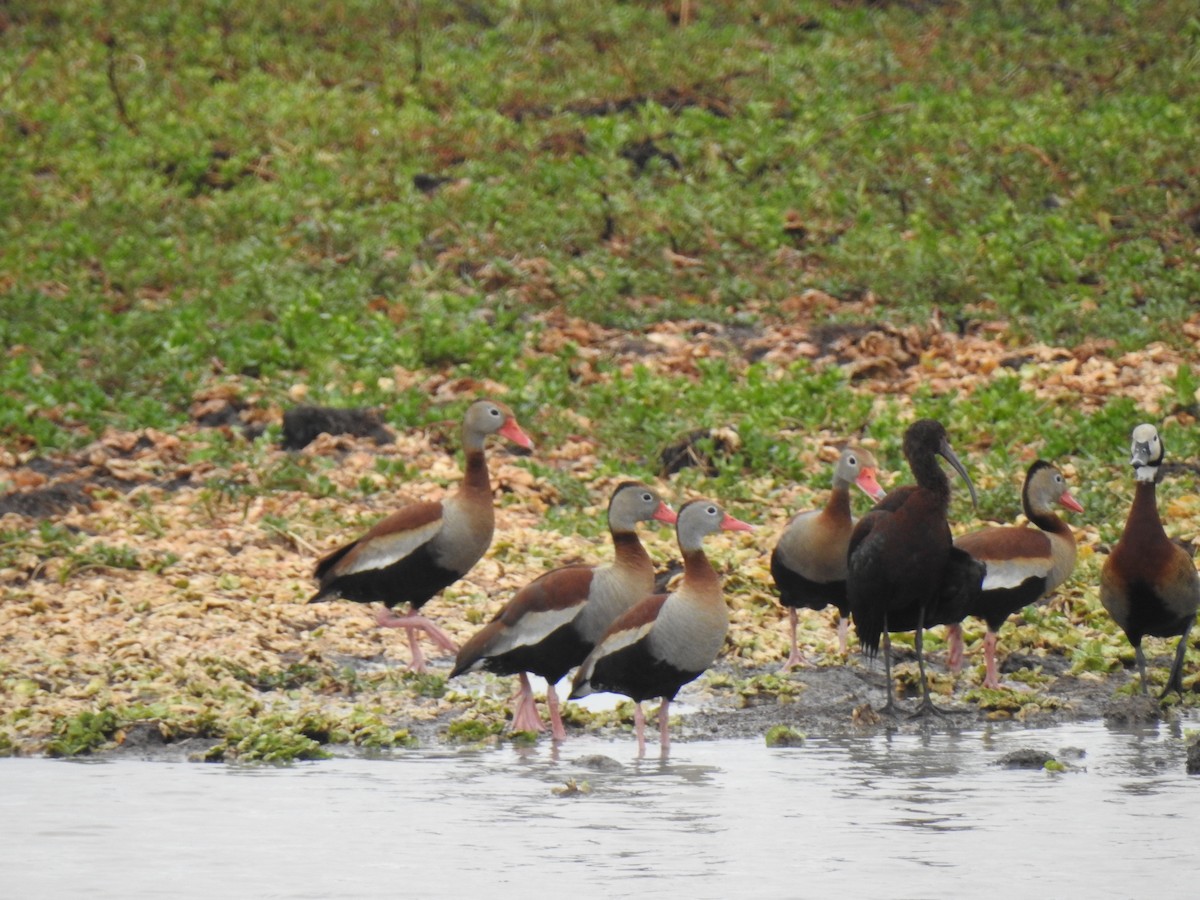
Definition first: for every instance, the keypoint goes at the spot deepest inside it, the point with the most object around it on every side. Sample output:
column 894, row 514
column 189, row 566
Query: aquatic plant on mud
column 784, row 736
column 83, row 733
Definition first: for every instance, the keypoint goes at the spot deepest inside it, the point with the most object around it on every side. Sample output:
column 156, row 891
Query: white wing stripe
column 385, row 549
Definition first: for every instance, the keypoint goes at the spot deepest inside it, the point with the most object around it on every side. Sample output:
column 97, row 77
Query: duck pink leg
column 954, row 641
column 557, row 730
column 843, row 630
column 525, row 714
column 992, row 677
column 413, row 622
column 795, row 658
column 639, row 725
column 664, row 728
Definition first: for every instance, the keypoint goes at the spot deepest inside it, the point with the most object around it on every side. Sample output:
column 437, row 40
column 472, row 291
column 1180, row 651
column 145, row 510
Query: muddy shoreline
column 829, row 700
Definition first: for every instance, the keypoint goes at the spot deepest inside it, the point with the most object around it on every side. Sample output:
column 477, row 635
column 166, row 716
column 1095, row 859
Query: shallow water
column 882, row 816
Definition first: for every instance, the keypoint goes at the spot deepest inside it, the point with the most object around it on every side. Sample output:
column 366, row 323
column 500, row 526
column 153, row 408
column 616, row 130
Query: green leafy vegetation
column 784, row 736
column 83, row 733
column 471, row 731
column 360, row 204
column 317, row 196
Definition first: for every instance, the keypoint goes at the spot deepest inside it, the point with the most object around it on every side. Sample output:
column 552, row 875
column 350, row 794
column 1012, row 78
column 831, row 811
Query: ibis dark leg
column 1141, row 664
column 890, row 706
column 927, row 707
column 1175, row 682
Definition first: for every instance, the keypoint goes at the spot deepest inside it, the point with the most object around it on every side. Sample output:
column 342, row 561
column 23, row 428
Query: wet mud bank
column 736, row 702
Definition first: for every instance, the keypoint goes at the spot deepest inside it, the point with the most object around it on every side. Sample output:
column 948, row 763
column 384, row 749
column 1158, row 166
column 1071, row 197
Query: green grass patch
column 221, row 192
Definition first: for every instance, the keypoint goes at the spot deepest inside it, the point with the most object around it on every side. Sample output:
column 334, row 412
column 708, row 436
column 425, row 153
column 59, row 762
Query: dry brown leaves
column 225, row 579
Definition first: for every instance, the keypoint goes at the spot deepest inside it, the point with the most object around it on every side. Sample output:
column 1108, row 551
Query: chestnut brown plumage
column 903, row 571
column 552, row 624
column 665, row 640
column 1148, row 584
column 1022, row 564
column 422, row 548
column 808, row 564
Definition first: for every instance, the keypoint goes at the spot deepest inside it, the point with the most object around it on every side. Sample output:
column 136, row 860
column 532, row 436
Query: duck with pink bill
column 1023, row 564
column 422, row 548
column 551, row 624
column 665, row 640
column 809, row 562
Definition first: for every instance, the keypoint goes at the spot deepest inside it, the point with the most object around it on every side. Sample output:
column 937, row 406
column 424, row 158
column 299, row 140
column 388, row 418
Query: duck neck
column 475, row 478
column 1046, row 520
column 698, row 572
column 629, row 552
column 838, row 506
column 1041, row 516
column 1143, row 514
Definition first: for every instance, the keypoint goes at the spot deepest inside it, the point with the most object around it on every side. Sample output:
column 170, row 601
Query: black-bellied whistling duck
column 903, row 571
column 666, row 640
column 424, row 547
column 1148, row 584
column 809, row 562
column 552, row 624
column 1023, row 564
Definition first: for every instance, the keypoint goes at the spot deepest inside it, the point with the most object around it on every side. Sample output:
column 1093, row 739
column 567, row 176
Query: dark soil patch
column 47, row 502
column 701, row 448
column 302, row 424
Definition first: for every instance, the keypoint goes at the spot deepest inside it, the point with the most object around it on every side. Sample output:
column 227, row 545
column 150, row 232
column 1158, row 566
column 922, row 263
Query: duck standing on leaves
column 666, row 640
column 424, row 547
column 1149, row 584
column 903, row 571
column 1023, row 564
column 552, row 624
column 808, row 564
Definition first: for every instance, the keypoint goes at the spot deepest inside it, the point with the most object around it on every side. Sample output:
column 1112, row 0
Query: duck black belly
column 1149, row 615
column 637, row 674
column 551, row 658
column 413, row 580
column 995, row 605
column 803, row 593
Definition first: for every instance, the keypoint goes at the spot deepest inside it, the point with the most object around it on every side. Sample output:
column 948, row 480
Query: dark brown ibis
column 665, row 640
column 424, row 547
column 1149, row 584
column 551, row 624
column 809, row 561
column 1022, row 564
column 903, row 571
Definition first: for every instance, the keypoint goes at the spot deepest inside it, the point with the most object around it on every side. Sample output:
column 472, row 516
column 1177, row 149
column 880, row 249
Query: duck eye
column 647, row 497
column 852, row 461
column 712, row 510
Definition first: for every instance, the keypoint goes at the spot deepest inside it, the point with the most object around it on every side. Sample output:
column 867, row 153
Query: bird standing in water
column 666, row 640
column 552, row 624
